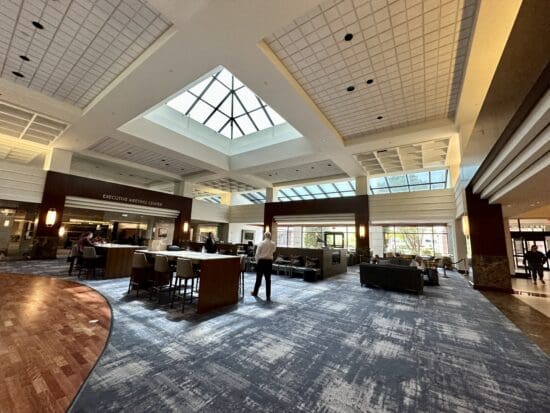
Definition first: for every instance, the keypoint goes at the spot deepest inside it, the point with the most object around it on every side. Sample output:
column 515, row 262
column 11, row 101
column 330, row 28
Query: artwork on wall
column 247, row 235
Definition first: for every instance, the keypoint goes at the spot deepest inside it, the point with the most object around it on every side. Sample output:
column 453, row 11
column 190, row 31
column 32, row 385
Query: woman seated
column 418, row 263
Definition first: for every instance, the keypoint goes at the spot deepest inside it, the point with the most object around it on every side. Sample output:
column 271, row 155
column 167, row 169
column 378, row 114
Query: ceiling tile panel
column 228, row 185
column 319, row 169
column 134, row 153
column 414, row 51
column 83, row 46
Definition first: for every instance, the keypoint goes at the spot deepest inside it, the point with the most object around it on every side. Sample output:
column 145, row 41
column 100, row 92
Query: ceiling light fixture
column 38, row 25
column 348, row 37
column 350, row 88
column 18, row 74
column 370, row 81
column 25, row 58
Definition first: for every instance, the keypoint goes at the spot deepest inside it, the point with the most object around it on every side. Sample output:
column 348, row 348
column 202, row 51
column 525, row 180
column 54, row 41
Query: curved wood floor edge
column 52, row 333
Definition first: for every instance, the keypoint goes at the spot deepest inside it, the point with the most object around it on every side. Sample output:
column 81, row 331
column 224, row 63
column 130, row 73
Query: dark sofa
column 392, row 277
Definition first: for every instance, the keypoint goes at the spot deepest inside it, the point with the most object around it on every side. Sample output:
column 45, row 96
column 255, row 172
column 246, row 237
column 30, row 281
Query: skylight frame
column 431, row 184
column 316, row 191
column 247, row 112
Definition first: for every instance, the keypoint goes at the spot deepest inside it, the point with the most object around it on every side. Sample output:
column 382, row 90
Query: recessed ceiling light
column 370, row 81
column 270, row 175
column 25, row 58
column 380, row 117
column 297, row 170
column 18, row 74
column 183, row 169
column 129, row 153
column 38, row 25
column 329, row 164
column 312, row 167
column 532, row 205
column 167, row 164
column 348, row 37
column 163, row 160
column 350, row 88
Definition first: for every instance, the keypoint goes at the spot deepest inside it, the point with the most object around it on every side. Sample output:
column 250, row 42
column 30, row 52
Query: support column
column 361, row 185
column 489, row 255
column 509, row 250
column 461, row 249
column 271, row 194
column 183, row 188
column 58, row 160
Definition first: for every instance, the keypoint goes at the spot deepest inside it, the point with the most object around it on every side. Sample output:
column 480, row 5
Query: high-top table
column 219, row 279
column 118, row 259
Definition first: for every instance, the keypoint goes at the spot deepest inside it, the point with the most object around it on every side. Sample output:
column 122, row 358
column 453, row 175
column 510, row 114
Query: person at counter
column 85, row 241
column 210, row 244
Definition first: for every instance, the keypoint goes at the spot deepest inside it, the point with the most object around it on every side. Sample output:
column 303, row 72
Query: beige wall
column 21, row 183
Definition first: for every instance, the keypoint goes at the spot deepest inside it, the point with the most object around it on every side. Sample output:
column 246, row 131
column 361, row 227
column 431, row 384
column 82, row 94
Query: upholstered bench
column 391, row 277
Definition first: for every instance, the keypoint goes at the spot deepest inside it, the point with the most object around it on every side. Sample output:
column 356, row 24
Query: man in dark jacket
column 210, row 244
column 535, row 261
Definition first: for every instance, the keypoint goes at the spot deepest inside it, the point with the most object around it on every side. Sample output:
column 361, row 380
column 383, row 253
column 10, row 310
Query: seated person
column 376, row 259
column 250, row 249
column 85, row 241
column 418, row 263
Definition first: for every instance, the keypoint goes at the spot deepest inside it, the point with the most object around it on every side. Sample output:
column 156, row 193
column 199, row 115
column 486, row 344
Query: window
column 418, row 181
column 255, row 197
column 424, row 240
column 321, row 191
column 224, row 104
column 214, row 199
column 305, row 236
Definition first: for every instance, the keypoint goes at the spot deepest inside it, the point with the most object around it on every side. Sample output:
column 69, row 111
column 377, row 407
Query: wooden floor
column 51, row 333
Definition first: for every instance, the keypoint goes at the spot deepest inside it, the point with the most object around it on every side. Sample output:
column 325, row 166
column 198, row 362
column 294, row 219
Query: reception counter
column 118, row 259
column 219, row 280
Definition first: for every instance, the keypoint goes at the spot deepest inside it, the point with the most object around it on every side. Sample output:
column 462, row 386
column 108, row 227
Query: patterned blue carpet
column 331, row 346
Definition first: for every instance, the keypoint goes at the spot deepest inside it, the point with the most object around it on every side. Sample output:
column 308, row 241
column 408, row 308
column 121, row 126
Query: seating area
column 309, row 263
column 391, row 277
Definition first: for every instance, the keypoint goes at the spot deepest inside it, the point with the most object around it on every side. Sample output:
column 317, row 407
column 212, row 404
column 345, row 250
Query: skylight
column 322, row 191
column 224, row 104
column 418, row 181
column 255, row 197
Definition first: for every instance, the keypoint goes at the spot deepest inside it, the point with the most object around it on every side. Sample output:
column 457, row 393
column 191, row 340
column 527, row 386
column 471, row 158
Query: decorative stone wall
column 491, row 272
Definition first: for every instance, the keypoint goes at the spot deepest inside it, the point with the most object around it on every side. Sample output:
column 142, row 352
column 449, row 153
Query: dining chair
column 90, row 261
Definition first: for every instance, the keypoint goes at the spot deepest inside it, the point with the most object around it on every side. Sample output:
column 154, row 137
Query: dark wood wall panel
column 357, row 205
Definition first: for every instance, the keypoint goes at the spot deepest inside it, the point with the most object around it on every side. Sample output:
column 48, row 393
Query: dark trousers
column 536, row 270
column 263, row 267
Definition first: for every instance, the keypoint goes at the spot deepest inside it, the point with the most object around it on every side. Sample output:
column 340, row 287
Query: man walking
column 264, row 261
column 535, row 262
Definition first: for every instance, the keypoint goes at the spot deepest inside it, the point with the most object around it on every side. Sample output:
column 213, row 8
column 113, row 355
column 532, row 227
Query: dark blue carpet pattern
column 331, row 346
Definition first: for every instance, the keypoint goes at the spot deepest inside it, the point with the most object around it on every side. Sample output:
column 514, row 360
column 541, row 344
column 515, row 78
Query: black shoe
column 253, row 294
column 268, row 300
column 542, row 281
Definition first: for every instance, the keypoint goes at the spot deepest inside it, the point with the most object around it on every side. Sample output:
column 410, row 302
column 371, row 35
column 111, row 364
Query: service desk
column 219, row 279
column 118, row 259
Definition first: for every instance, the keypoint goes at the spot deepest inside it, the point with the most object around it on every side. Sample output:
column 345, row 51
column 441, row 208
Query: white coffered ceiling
column 414, row 51
column 83, row 46
column 119, row 149
column 405, row 158
column 306, row 171
column 228, row 185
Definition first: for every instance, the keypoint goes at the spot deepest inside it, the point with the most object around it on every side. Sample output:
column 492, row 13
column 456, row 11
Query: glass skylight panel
column 216, row 121
column 378, row 182
column 183, row 102
column 438, row 176
column 200, row 111
column 438, row 186
column 223, row 93
column 328, row 188
column 275, row 117
column 396, row 189
column 396, row 180
column 301, row 191
column 419, row 187
column 343, row 186
column 380, row 191
column 215, row 93
column 419, row 178
column 348, row 193
column 314, row 189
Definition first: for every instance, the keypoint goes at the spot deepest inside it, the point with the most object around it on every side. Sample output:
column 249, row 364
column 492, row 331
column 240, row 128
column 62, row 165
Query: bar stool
column 90, row 261
column 140, row 272
column 74, row 259
column 184, row 272
column 162, row 276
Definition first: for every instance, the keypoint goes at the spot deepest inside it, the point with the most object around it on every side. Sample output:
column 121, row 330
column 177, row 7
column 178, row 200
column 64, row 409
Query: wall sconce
column 465, row 226
column 51, row 216
column 362, row 231
column 61, row 231
column 7, row 223
column 36, row 221
column 186, row 226
column 266, row 228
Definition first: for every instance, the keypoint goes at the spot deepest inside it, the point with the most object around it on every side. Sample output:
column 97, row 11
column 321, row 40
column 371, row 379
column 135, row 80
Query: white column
column 509, row 249
column 460, row 247
column 361, row 185
column 184, row 188
column 271, row 194
column 58, row 160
